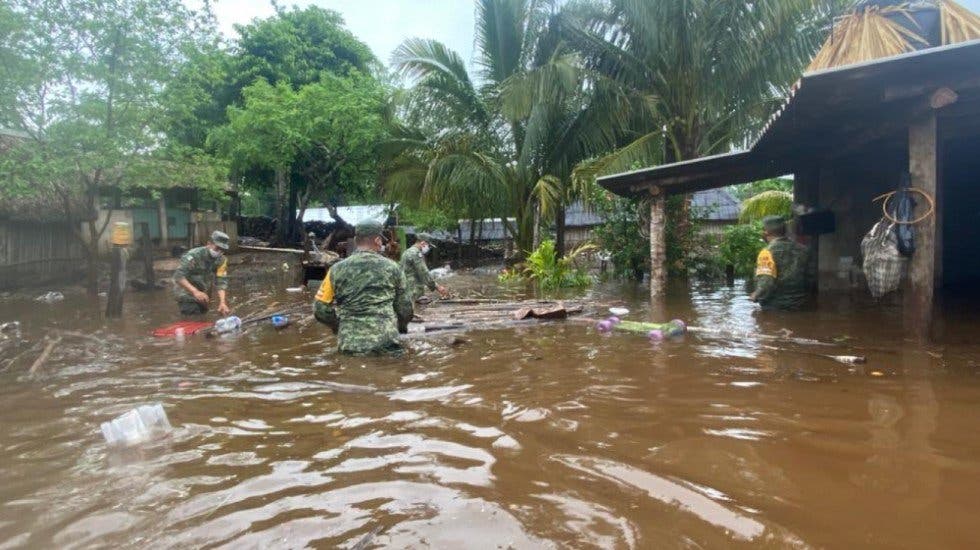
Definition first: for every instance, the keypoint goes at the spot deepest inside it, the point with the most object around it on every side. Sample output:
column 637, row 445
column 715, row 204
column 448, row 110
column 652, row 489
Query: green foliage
column 749, row 190
column 740, row 247
column 621, row 235
column 551, row 271
column 87, row 86
column 509, row 147
column 325, row 131
column 427, row 219
column 767, row 203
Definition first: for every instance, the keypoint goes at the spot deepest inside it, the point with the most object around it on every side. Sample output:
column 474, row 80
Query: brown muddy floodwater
column 543, row 437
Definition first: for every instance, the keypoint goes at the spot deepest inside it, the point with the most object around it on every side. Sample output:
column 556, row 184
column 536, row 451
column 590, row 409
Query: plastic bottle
column 280, row 321
column 228, row 324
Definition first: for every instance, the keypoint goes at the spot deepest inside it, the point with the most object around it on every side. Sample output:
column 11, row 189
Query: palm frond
column 867, row 33
column 767, row 203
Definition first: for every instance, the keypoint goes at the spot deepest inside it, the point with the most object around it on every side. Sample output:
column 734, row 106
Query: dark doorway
column 961, row 211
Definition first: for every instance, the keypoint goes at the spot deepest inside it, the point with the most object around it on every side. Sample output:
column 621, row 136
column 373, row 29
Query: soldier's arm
column 430, row 283
column 187, row 262
column 765, row 276
column 404, row 309
column 323, row 306
column 221, row 284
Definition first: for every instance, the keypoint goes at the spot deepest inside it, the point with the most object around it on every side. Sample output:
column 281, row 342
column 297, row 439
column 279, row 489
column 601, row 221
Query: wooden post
column 923, row 167
column 121, row 237
column 146, row 245
column 658, row 244
column 162, row 217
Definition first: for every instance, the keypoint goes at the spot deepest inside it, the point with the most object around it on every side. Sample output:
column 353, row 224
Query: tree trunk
column 658, row 245
column 282, row 221
column 294, row 225
column 560, row 231
column 162, row 218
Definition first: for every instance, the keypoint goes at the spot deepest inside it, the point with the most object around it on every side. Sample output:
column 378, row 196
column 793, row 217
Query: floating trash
column 280, row 321
column 142, row 424
column 50, row 297
column 228, row 324
column 619, row 311
column 295, row 289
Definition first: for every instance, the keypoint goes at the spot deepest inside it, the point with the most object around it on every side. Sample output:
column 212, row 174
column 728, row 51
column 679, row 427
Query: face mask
column 425, row 249
column 215, row 253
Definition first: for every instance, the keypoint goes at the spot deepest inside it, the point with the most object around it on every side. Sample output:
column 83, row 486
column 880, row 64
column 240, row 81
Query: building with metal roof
column 849, row 134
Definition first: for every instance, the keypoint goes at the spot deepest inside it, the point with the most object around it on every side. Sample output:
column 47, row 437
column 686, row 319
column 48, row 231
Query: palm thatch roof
column 882, row 28
column 44, row 208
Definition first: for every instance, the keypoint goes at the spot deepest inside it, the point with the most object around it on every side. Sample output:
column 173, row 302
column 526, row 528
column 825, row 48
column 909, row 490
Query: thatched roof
column 45, row 207
column 874, row 29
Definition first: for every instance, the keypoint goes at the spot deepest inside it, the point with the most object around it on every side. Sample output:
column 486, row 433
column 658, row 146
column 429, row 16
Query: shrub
column 767, row 203
column 551, row 272
column 740, row 247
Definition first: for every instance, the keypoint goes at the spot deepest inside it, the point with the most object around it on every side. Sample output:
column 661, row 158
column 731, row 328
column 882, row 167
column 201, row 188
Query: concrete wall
column 847, row 187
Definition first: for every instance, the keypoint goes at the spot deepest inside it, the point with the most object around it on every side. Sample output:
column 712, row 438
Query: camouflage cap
column 368, row 228
column 220, row 239
column 773, row 223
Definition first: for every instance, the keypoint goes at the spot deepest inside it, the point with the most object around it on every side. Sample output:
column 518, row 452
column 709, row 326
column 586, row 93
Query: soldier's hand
column 202, row 297
column 223, row 309
column 443, row 291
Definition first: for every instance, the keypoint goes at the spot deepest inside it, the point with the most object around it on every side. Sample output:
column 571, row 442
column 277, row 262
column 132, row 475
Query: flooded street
column 550, row 436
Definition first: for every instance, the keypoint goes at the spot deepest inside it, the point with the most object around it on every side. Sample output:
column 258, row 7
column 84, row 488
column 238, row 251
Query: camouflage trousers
column 191, row 307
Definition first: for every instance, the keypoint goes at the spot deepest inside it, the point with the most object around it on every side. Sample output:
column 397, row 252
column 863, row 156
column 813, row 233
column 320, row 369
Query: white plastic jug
column 141, row 424
column 228, row 324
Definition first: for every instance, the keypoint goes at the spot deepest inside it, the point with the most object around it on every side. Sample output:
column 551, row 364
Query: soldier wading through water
column 201, row 269
column 417, row 272
column 781, row 269
column 363, row 298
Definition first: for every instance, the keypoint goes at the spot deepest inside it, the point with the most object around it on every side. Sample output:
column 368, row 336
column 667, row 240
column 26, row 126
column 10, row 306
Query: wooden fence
column 36, row 253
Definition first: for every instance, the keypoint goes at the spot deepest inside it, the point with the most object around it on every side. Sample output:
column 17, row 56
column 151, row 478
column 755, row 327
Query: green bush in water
column 740, row 247
column 550, row 272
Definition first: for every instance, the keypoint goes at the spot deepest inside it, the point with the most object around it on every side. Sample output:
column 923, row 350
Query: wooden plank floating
column 481, row 314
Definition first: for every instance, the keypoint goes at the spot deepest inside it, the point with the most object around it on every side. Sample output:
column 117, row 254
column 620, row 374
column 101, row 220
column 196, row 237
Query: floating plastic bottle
column 228, row 324
column 280, row 321
column 144, row 423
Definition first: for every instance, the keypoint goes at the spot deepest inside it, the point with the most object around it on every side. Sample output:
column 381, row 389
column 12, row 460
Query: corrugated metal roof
column 577, row 215
column 351, row 214
column 493, row 230
column 715, row 205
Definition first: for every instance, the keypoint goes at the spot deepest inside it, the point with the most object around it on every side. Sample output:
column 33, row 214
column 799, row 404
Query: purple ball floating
column 604, row 326
column 681, row 324
column 655, row 335
column 614, row 320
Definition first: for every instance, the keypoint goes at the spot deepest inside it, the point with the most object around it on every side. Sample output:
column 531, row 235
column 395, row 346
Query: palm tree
column 700, row 76
column 511, row 144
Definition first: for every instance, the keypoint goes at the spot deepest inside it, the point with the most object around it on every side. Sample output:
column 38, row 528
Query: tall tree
column 91, row 99
column 295, row 47
column 324, row 132
column 701, row 76
column 517, row 137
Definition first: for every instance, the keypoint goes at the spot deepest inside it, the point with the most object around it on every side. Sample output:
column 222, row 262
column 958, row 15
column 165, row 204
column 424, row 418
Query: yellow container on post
column 122, row 234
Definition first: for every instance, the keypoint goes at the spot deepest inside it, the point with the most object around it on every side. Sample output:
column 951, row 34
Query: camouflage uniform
column 363, row 299
column 416, row 273
column 781, row 275
column 203, row 271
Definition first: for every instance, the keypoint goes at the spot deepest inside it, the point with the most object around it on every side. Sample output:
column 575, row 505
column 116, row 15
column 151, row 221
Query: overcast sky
column 384, row 24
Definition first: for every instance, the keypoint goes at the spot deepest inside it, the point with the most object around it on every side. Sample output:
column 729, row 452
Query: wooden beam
column 658, row 244
column 923, row 167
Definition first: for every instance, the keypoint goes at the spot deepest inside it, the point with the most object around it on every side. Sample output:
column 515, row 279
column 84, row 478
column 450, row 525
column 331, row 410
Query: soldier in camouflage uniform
column 200, row 269
column 417, row 272
column 363, row 298
column 781, row 269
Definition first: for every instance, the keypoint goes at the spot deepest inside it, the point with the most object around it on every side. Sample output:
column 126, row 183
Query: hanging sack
column 883, row 263
column 904, row 206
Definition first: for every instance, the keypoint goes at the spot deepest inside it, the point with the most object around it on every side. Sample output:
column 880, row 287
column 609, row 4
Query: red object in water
column 190, row 327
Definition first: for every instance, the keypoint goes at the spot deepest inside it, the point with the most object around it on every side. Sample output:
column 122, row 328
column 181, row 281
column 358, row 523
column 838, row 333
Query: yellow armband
column 765, row 265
